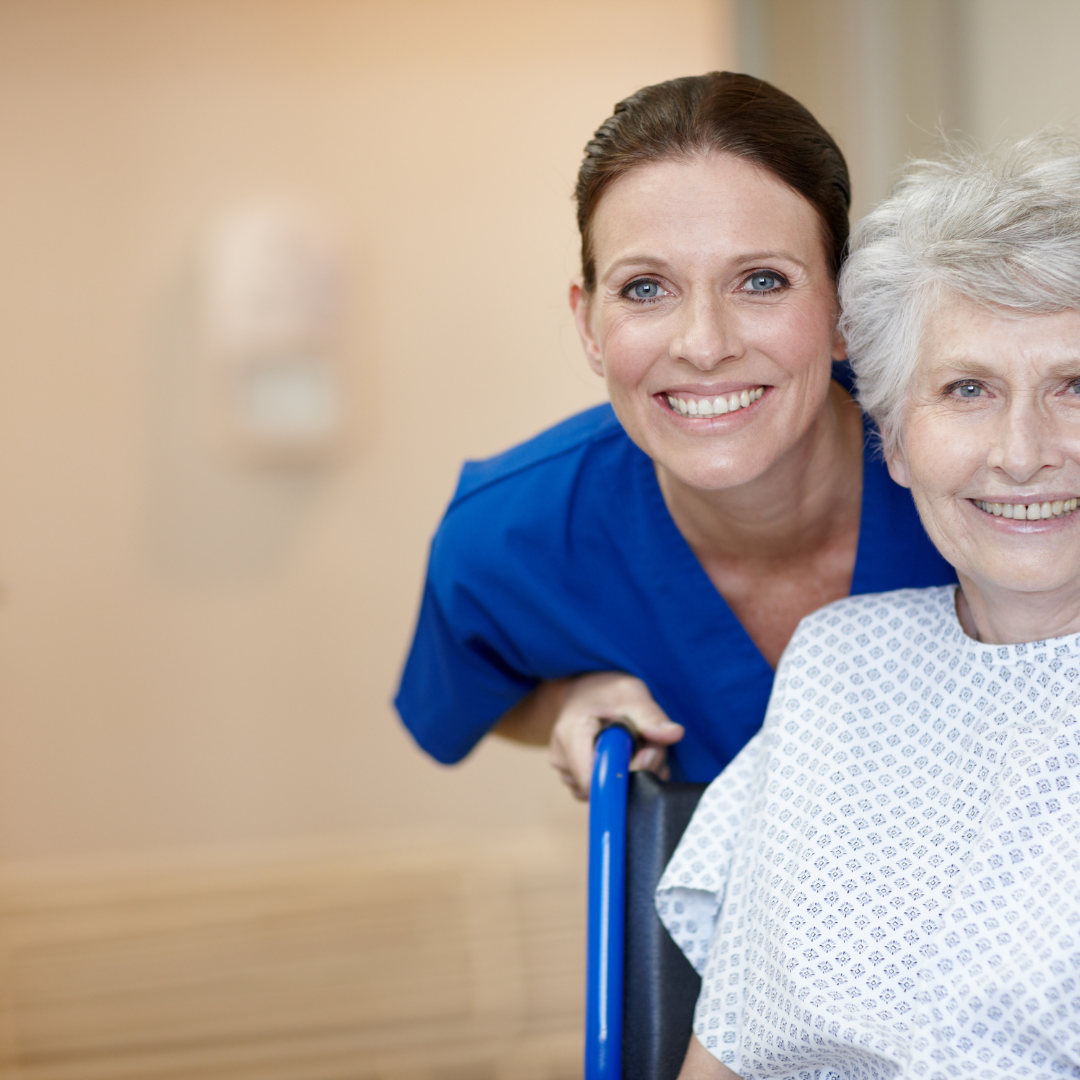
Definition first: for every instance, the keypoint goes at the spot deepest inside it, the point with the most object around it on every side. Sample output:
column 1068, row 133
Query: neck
column 1007, row 617
column 793, row 508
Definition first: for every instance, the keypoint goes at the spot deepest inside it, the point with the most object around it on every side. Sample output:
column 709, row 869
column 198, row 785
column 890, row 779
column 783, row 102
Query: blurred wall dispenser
column 272, row 289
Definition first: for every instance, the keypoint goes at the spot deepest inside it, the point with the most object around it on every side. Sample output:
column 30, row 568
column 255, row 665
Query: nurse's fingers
column 652, row 723
column 651, row 759
column 571, row 749
column 567, row 778
column 656, row 732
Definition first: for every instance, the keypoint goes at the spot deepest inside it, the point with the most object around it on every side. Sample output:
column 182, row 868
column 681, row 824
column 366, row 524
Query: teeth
column 1032, row 511
column 717, row 406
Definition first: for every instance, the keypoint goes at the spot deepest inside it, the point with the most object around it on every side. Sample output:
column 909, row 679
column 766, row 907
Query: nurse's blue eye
column 643, row 289
column 968, row 389
column 764, row 281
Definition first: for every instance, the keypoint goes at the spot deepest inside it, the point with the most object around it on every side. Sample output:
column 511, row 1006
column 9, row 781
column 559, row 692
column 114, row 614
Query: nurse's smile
column 712, row 403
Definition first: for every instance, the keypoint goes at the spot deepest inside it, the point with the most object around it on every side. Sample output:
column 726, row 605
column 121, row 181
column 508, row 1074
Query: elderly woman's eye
column 645, row 289
column 968, row 389
column 764, row 281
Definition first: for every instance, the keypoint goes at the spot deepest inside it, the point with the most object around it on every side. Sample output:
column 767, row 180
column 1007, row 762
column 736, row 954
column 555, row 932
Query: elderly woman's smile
column 991, row 451
column 1028, row 511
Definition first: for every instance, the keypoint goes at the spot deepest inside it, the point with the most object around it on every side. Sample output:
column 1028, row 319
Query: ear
column 898, row 466
column 839, row 345
column 579, row 305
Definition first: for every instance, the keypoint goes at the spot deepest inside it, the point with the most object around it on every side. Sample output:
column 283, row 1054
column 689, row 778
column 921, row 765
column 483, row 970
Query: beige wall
column 220, row 856
column 1022, row 66
column 214, row 837
column 886, row 77
column 191, row 653
column 883, row 76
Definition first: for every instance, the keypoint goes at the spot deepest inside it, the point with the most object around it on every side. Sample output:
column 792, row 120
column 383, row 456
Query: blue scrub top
column 559, row 557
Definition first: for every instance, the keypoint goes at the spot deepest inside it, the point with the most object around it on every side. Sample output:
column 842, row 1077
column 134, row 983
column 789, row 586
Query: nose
column 1026, row 441
column 707, row 334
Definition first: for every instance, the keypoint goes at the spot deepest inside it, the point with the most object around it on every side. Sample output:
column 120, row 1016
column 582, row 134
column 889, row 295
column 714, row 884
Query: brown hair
column 726, row 113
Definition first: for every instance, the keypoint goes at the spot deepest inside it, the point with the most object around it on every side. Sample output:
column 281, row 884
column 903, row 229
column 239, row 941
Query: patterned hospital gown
column 886, row 881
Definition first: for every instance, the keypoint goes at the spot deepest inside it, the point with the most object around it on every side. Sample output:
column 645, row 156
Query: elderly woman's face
column 713, row 317
column 991, row 446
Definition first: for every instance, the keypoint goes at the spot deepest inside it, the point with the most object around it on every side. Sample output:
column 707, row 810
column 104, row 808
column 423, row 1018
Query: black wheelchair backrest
column 660, row 986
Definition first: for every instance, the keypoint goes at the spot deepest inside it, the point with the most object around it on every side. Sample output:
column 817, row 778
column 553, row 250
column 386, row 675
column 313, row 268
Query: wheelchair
column 640, row 989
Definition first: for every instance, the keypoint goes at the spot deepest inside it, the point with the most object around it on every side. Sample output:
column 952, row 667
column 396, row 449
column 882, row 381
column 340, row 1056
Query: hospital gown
column 885, row 882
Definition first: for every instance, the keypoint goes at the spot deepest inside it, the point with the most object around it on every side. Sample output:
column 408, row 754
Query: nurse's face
column 713, row 320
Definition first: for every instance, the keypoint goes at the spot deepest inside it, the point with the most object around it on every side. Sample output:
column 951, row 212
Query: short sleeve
column 456, row 683
column 691, row 891
column 514, row 571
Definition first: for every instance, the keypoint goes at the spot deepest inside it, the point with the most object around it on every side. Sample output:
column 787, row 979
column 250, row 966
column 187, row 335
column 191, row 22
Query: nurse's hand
column 567, row 715
column 591, row 702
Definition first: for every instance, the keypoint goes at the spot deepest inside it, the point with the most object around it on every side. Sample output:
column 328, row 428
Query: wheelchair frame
column 641, row 990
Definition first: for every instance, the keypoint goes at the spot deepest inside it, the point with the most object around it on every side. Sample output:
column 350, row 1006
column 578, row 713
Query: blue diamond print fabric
column 885, row 883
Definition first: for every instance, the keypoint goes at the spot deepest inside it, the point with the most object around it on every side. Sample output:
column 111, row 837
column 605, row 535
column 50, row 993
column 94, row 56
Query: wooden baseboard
column 418, row 959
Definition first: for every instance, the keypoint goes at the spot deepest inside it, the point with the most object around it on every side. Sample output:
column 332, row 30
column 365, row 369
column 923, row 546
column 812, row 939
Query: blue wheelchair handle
column 607, row 904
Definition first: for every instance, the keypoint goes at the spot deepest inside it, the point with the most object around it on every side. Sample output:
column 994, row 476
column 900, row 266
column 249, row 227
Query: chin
column 726, row 463
column 1014, row 576
column 711, row 475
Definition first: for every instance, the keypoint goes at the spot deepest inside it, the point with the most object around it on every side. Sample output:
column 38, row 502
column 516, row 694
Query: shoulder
column 869, row 624
column 544, row 456
column 888, row 610
column 851, row 662
column 522, row 505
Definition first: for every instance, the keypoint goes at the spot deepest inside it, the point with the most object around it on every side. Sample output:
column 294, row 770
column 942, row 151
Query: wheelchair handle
column 607, row 904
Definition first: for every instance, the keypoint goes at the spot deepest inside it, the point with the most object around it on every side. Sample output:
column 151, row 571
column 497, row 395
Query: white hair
column 1000, row 228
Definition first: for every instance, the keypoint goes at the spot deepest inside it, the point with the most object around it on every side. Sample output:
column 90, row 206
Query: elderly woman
column 886, row 881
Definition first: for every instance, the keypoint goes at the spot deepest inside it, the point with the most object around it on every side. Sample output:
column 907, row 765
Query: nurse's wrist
column 532, row 720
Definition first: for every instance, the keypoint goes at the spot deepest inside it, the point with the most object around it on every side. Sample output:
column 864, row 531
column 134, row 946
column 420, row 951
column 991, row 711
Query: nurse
column 651, row 558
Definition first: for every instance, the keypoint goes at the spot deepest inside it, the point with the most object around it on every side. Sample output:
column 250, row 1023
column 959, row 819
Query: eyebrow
column 979, row 369
column 962, row 366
